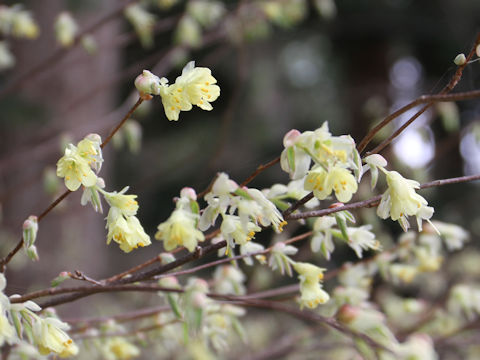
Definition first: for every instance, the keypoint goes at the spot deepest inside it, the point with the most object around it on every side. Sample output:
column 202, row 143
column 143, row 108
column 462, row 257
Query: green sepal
column 291, row 158
column 58, row 280
column 358, row 169
column 349, row 216
column 243, row 193
column 27, row 327
column 342, row 225
column 174, row 306
column 16, row 323
column 194, row 207
column 282, row 205
column 239, row 329
column 186, row 336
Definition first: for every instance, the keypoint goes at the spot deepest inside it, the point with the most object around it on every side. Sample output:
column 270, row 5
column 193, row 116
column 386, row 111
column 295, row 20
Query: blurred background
column 280, row 65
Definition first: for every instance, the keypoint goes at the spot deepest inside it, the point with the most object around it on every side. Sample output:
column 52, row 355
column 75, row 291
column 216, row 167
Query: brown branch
column 11, row 254
column 124, row 317
column 311, row 316
column 426, row 99
column 260, row 169
column 376, row 199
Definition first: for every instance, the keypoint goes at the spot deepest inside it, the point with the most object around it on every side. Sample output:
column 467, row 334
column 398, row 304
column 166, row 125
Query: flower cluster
column 19, row 321
column 196, row 86
column 311, row 291
column 243, row 211
column 80, row 163
column 123, row 226
column 334, row 158
column 180, row 229
column 65, row 29
column 79, row 166
column 400, row 200
column 17, row 22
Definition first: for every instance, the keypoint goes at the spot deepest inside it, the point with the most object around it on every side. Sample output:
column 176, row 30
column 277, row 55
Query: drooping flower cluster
column 16, row 21
column 19, row 322
column 311, row 291
column 79, row 166
column 123, row 226
column 243, row 211
column 65, row 29
column 80, row 163
column 180, row 229
column 357, row 238
column 334, row 158
column 196, row 86
column 400, row 201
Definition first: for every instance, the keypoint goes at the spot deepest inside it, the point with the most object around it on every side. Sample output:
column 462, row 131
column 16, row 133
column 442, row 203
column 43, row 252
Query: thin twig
column 426, row 99
column 11, row 254
column 376, row 199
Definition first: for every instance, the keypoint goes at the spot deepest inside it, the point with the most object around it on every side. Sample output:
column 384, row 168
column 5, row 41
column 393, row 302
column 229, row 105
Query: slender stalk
column 429, row 100
column 16, row 249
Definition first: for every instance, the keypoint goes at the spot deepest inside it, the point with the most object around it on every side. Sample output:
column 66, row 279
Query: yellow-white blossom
column 235, row 232
column 126, row 231
column 126, row 204
column 143, row 23
column 7, row 60
column 65, row 29
column 50, row 337
column 312, row 293
column 196, row 86
column 361, row 238
column 118, row 348
column 180, row 230
column 75, row 169
column 337, row 179
column 400, row 200
column 23, row 25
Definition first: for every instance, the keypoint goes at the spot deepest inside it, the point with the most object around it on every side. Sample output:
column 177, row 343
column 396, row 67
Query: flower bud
column 460, row 59
column 7, row 60
column 290, row 138
column 188, row 192
column 65, row 29
column 30, row 230
column 166, row 258
column 32, row 253
column 147, row 83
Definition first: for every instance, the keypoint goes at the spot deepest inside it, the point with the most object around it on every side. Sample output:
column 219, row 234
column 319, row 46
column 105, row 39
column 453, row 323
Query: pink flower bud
column 188, row 192
column 291, row 137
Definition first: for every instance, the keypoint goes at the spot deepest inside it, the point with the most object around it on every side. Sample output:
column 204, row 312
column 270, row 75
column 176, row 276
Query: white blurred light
column 405, row 73
column 302, row 65
column 413, row 149
column 470, row 150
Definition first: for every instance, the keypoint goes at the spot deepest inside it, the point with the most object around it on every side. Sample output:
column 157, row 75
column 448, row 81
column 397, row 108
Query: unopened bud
column 65, row 29
column 133, row 135
column 460, row 59
column 166, row 258
column 169, row 282
column 290, row 138
column 32, row 253
column 199, row 300
column 189, row 193
column 30, row 230
column 147, row 83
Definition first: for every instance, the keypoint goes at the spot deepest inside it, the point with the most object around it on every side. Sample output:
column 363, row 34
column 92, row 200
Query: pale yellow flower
column 75, row 169
column 127, row 232
column 126, row 204
column 50, row 337
column 180, row 230
column 337, row 179
column 118, row 348
column 312, row 293
column 199, row 85
column 174, row 100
